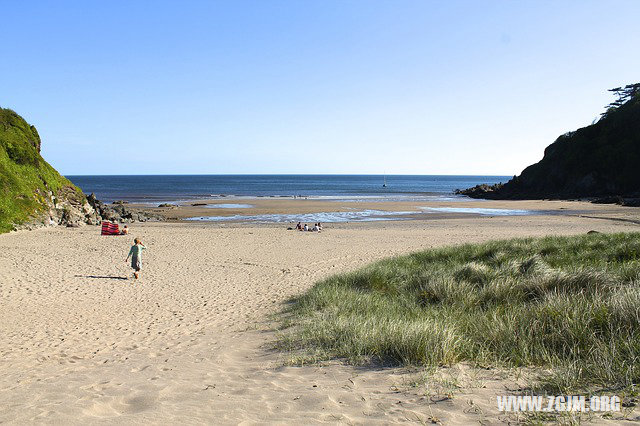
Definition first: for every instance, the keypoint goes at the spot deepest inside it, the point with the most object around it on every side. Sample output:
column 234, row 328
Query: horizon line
column 288, row 174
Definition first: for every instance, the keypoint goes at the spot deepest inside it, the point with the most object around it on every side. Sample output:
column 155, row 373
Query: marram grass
column 570, row 305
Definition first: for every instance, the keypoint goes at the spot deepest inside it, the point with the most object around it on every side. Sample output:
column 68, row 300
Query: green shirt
column 136, row 251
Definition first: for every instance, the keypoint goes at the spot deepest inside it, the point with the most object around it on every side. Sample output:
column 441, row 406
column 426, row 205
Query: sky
column 271, row 86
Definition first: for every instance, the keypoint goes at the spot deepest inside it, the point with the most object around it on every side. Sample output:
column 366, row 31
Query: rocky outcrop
column 62, row 209
column 480, row 191
column 118, row 212
column 600, row 161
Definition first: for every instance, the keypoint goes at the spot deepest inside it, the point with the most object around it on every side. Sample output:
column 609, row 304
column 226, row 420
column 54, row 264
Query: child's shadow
column 111, row 277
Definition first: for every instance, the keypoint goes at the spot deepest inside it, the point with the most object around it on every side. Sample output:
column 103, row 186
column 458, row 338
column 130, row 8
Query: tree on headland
column 623, row 95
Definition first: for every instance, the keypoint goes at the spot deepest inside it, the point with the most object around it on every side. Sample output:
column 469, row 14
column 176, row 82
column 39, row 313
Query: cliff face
column 600, row 160
column 32, row 193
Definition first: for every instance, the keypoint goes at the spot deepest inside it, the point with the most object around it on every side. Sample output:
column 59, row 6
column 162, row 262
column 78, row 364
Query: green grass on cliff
column 25, row 178
column 569, row 305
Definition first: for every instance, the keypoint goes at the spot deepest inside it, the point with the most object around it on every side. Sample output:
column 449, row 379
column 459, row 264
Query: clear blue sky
column 264, row 86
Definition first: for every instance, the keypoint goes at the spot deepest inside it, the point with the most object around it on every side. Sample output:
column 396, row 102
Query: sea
column 153, row 189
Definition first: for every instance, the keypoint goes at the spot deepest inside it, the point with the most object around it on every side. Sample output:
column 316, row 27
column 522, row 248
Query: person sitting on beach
column 125, row 230
column 299, row 227
column 315, row 228
column 319, row 227
column 306, row 228
column 136, row 257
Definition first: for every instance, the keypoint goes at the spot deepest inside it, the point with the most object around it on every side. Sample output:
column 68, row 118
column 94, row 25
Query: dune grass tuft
column 570, row 305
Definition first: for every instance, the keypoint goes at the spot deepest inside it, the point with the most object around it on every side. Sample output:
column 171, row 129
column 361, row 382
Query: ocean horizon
column 176, row 188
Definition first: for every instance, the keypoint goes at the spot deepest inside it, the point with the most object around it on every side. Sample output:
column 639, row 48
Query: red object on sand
column 109, row 228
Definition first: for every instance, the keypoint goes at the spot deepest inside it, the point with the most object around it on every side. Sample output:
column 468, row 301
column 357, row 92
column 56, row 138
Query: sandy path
column 79, row 344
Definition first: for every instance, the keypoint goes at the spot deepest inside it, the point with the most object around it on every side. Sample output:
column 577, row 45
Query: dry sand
column 81, row 342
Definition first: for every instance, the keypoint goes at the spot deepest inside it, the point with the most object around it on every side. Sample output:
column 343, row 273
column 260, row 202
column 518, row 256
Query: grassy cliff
column 29, row 187
column 600, row 160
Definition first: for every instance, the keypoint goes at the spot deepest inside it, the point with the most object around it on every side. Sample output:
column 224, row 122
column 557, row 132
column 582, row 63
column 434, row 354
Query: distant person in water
column 136, row 257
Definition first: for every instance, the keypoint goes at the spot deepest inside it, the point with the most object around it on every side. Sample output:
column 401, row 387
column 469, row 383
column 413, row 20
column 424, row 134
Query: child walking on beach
column 136, row 257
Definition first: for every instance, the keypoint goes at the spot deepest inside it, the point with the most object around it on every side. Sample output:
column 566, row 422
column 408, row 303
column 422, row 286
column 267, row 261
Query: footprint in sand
column 117, row 406
column 139, row 403
column 138, row 370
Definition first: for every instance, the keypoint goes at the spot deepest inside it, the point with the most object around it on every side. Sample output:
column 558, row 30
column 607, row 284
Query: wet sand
column 418, row 209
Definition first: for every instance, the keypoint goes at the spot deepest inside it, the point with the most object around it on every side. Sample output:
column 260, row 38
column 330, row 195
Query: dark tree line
column 623, row 94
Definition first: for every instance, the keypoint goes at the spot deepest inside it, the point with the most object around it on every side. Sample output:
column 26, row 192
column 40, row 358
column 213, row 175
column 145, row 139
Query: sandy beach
column 190, row 342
